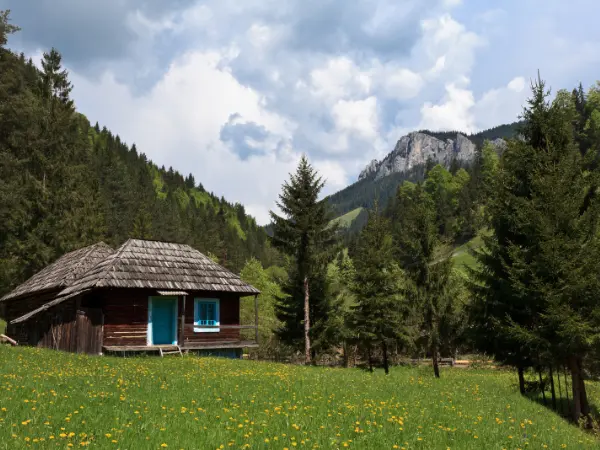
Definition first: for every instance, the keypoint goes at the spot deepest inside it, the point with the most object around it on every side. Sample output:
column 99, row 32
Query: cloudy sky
column 234, row 91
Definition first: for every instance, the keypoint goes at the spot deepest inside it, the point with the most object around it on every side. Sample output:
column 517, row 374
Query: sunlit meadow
column 56, row 400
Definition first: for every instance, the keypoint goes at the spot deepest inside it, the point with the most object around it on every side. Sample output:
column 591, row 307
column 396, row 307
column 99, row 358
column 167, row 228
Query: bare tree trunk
column 435, row 358
column 567, row 390
column 542, row 386
column 552, row 389
column 559, row 389
column 386, row 366
column 370, row 359
column 346, row 358
column 576, row 386
column 585, row 406
column 306, row 322
column 521, row 380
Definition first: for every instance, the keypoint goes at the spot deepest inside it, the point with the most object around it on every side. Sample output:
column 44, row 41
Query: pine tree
column 422, row 256
column 142, row 225
column 381, row 311
column 305, row 234
column 538, row 280
column 6, row 27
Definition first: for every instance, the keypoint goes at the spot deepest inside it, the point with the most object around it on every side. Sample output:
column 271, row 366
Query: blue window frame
column 206, row 314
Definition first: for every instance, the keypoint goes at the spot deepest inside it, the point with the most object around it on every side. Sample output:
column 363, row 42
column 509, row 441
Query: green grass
column 346, row 220
column 462, row 257
column 2, row 326
column 211, row 403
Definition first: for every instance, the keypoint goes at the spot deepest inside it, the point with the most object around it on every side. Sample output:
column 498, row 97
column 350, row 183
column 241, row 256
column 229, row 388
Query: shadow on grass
column 564, row 405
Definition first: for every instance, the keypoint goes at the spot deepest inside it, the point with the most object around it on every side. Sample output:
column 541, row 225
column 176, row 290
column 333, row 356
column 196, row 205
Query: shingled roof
column 159, row 265
column 62, row 272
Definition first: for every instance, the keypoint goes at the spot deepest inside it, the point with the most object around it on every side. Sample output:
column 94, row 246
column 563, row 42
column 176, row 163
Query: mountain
column 409, row 160
column 416, row 149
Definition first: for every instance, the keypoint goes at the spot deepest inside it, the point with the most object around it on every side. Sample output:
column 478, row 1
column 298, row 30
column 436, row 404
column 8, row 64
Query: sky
column 235, row 91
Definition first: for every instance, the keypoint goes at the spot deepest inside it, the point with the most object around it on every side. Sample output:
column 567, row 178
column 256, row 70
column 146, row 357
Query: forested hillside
column 65, row 183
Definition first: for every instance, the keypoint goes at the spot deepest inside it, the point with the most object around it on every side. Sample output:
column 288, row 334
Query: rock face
column 415, row 149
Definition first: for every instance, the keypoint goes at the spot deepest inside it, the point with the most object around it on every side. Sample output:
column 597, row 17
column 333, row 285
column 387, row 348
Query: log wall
column 126, row 317
column 14, row 309
column 68, row 326
column 229, row 310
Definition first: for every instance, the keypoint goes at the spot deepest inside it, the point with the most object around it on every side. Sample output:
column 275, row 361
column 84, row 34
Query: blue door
column 164, row 319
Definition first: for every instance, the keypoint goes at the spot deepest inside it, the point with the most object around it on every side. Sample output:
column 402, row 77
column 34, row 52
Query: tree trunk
column 345, row 350
column 567, row 390
column 386, row 366
column 370, row 359
column 435, row 358
column 542, row 386
column 521, row 380
column 552, row 389
column 580, row 401
column 306, row 322
column 559, row 389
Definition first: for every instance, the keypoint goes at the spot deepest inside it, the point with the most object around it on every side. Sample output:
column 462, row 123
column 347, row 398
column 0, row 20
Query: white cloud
column 357, row 116
column 459, row 110
column 454, row 113
column 333, row 174
column 517, row 84
column 401, row 83
column 501, row 105
column 340, row 78
column 449, row 47
column 452, row 3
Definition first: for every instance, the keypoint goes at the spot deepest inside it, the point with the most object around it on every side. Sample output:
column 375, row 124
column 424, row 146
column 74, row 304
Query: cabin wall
column 126, row 317
column 13, row 309
column 69, row 326
column 229, row 308
column 55, row 328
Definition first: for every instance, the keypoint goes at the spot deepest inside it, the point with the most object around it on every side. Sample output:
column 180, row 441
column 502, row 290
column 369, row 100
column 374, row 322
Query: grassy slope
column 462, row 256
column 211, row 403
column 346, row 220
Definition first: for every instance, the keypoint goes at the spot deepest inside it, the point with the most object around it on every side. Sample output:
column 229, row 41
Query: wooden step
column 171, row 352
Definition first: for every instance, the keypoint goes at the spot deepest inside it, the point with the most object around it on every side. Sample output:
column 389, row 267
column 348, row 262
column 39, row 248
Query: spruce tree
column 381, row 311
column 426, row 262
column 6, row 27
column 304, row 233
column 536, row 288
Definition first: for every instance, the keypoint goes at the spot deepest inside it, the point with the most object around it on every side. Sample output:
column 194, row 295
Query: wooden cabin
column 144, row 296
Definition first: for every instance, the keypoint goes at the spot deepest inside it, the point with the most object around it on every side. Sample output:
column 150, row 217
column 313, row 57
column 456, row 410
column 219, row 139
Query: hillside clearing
column 462, row 256
column 52, row 399
column 346, row 220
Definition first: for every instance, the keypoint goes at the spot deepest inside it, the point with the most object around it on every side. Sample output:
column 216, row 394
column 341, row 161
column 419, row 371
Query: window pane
column 206, row 313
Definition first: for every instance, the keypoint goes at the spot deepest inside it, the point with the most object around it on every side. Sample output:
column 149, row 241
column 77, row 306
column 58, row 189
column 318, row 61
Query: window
column 206, row 314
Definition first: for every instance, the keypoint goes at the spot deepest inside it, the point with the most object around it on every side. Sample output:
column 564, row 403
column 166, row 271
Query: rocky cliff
column 416, row 149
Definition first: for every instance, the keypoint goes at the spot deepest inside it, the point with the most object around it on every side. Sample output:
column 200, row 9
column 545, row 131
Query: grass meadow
column 51, row 399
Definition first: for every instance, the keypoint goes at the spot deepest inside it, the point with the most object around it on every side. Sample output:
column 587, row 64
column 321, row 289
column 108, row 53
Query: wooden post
column 256, row 318
column 182, row 320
